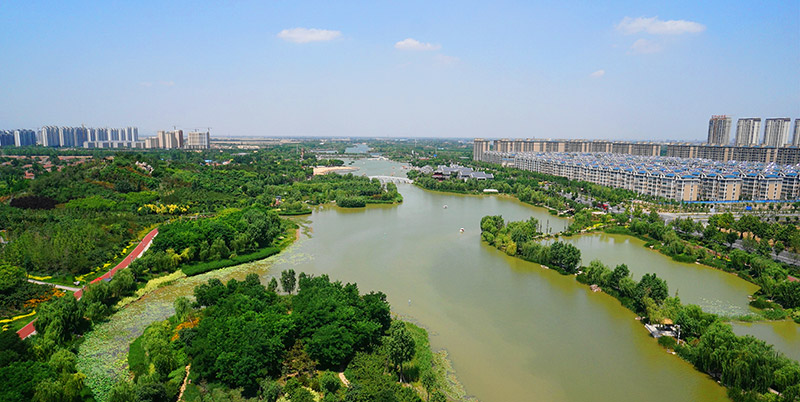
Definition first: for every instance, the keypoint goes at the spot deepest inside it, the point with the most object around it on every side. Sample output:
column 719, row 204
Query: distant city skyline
column 571, row 70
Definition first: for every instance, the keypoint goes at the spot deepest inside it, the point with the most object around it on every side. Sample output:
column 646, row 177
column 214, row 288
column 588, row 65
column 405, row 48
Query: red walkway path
column 137, row 252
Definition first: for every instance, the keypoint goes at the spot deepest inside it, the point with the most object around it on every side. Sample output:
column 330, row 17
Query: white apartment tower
column 776, row 132
column 796, row 137
column 198, row 140
column 747, row 131
column 719, row 130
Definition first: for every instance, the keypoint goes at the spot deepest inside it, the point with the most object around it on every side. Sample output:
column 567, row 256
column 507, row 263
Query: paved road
column 137, row 252
column 62, row 287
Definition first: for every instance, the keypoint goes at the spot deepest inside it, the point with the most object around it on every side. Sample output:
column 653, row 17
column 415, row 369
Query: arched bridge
column 391, row 179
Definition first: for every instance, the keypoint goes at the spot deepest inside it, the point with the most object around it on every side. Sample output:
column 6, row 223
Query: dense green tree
column 273, row 285
column 428, row 381
column 565, row 256
column 400, row 346
column 123, row 391
column 301, row 394
column 329, row 382
column 269, row 390
column 694, row 321
column 182, row 307
column 63, row 361
column 12, row 348
column 621, row 271
column 21, row 378
column 653, row 287
column 10, row 277
column 59, row 319
column 152, row 392
column 288, row 280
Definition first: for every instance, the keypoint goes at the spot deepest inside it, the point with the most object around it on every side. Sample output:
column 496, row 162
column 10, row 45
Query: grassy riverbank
column 434, row 366
column 289, row 236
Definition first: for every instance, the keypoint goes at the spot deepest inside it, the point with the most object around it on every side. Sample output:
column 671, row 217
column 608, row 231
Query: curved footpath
column 137, row 252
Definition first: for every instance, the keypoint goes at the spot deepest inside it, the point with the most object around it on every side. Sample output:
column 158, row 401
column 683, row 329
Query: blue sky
column 560, row 69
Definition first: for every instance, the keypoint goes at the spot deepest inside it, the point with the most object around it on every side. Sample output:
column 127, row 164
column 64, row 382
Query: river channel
column 513, row 330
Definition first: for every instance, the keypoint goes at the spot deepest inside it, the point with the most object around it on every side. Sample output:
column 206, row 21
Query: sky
column 628, row 70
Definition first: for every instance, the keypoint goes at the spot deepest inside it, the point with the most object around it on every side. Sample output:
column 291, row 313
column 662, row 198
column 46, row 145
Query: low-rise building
column 668, row 177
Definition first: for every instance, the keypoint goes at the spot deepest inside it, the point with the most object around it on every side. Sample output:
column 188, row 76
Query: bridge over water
column 391, row 179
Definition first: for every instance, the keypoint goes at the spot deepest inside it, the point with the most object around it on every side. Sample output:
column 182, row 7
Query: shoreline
column 319, row 170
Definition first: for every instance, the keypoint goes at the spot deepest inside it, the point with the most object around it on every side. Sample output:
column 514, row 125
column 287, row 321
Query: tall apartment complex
column 17, row 138
column 91, row 137
column 776, row 132
column 540, row 145
column 782, row 155
column 719, row 130
column 170, row 139
column 747, row 131
column 198, row 140
column 479, row 146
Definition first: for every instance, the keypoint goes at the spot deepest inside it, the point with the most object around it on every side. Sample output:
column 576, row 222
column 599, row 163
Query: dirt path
column 185, row 380
column 344, row 379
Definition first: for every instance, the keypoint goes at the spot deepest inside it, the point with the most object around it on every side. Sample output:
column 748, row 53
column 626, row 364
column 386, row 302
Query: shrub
column 774, row 314
column 329, row 382
column 667, row 342
column 351, row 202
column 760, row 303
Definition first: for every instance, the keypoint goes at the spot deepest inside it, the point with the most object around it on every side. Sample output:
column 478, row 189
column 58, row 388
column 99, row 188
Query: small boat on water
column 445, row 206
column 461, row 230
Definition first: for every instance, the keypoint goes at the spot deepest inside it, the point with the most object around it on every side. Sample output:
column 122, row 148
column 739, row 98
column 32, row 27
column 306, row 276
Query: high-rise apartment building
column 131, row 134
column 198, row 140
column 747, row 131
column 719, row 130
column 796, row 136
column 151, row 142
column 23, row 138
column 48, row 136
column 170, row 139
column 6, row 138
column 479, row 146
column 776, row 132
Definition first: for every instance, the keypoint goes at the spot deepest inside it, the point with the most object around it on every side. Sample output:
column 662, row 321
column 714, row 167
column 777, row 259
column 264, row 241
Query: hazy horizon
column 621, row 71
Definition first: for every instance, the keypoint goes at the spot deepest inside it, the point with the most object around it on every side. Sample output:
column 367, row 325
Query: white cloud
column 413, row 44
column 305, row 35
column 656, row 26
column 167, row 83
column 645, row 46
column 598, row 74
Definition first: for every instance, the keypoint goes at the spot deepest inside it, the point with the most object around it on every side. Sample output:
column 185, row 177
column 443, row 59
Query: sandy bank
column 328, row 169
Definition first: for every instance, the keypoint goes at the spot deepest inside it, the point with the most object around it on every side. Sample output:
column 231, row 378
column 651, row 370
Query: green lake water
column 513, row 330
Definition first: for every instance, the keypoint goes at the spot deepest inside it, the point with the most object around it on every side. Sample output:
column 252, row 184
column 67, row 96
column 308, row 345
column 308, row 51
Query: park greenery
column 245, row 341
column 713, row 245
column 749, row 367
column 71, row 224
column 554, row 192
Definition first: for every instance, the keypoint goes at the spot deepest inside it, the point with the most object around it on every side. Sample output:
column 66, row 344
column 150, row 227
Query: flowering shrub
column 161, row 209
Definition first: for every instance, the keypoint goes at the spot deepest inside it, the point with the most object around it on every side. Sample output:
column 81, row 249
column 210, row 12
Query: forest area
column 297, row 343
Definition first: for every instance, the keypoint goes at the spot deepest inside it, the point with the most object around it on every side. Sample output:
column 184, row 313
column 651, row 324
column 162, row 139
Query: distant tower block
column 719, row 130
